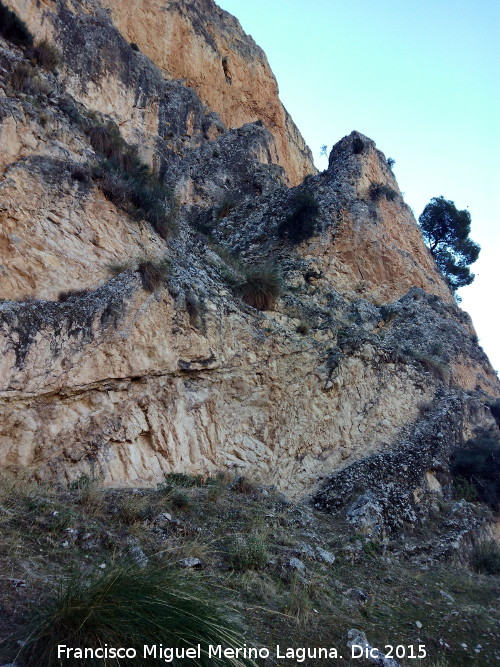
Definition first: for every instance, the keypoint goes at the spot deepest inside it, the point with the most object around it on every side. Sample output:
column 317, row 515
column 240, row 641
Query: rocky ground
column 298, row 577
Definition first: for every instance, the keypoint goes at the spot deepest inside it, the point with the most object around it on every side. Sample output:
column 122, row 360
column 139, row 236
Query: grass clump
column 22, row 78
column 131, row 607
column 261, row 288
column 379, row 190
column 478, row 465
column 44, row 55
column 181, row 479
column 303, row 328
column 153, row 273
column 248, row 553
column 301, row 223
column 486, row 558
column 134, row 508
column 13, row 29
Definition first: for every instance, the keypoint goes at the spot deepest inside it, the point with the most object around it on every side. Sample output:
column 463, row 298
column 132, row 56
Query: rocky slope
column 364, row 354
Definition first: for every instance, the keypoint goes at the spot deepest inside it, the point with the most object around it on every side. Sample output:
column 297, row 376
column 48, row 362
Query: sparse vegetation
column 153, row 273
column 357, row 145
column 379, row 190
column 44, row 55
column 13, row 29
column 486, row 558
column 128, row 182
column 430, row 363
column 261, row 288
column 301, row 223
column 246, row 541
column 478, row 464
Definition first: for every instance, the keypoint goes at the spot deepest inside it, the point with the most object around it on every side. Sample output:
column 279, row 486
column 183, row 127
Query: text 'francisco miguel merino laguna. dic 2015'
column 298, row 654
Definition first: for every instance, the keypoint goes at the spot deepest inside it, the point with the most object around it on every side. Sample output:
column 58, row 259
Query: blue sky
column 420, row 78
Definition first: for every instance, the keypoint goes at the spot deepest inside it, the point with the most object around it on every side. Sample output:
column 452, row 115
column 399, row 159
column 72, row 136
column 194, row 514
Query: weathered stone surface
column 188, row 41
column 127, row 385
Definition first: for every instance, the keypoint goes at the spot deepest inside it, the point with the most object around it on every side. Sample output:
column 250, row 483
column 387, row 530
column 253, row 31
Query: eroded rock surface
column 363, row 373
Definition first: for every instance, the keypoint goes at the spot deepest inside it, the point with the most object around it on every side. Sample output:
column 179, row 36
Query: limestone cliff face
column 195, row 41
column 365, row 357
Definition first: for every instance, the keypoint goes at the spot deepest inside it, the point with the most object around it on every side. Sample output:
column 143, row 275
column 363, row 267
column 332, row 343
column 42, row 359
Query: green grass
column 261, row 288
column 248, row 553
column 129, row 606
column 245, row 537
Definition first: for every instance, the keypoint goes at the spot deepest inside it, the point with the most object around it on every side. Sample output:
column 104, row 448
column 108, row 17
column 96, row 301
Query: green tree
column 446, row 231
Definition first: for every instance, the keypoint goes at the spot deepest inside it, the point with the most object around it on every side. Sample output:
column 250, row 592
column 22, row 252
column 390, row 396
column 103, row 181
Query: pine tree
column 446, row 231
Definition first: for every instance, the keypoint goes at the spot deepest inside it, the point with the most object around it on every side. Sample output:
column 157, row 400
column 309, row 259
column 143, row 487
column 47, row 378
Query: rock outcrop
column 194, row 41
column 363, row 362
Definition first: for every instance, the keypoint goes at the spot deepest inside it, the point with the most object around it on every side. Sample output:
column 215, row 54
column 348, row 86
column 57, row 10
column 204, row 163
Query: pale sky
column 422, row 79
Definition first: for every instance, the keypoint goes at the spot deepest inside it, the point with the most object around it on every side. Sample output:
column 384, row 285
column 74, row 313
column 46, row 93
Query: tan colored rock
column 129, row 385
column 201, row 43
column 376, row 248
column 197, row 42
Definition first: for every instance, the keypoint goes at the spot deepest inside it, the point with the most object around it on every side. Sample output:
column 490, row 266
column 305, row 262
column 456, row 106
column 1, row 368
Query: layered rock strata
column 365, row 357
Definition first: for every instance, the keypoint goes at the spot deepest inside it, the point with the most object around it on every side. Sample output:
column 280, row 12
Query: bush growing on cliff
column 128, row 182
column 486, row 558
column 44, row 55
column 479, row 465
column 13, row 29
column 357, row 145
column 131, row 606
column 379, row 190
column 301, row 223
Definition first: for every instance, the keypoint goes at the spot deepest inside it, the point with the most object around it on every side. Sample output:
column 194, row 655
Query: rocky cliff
column 131, row 341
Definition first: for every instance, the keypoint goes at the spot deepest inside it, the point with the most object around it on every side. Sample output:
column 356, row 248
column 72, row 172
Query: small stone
column 447, row 596
column 325, row 556
column 296, row 564
column 102, row 566
column 307, row 550
column 191, row 562
column 138, row 556
column 418, row 624
column 65, row 544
